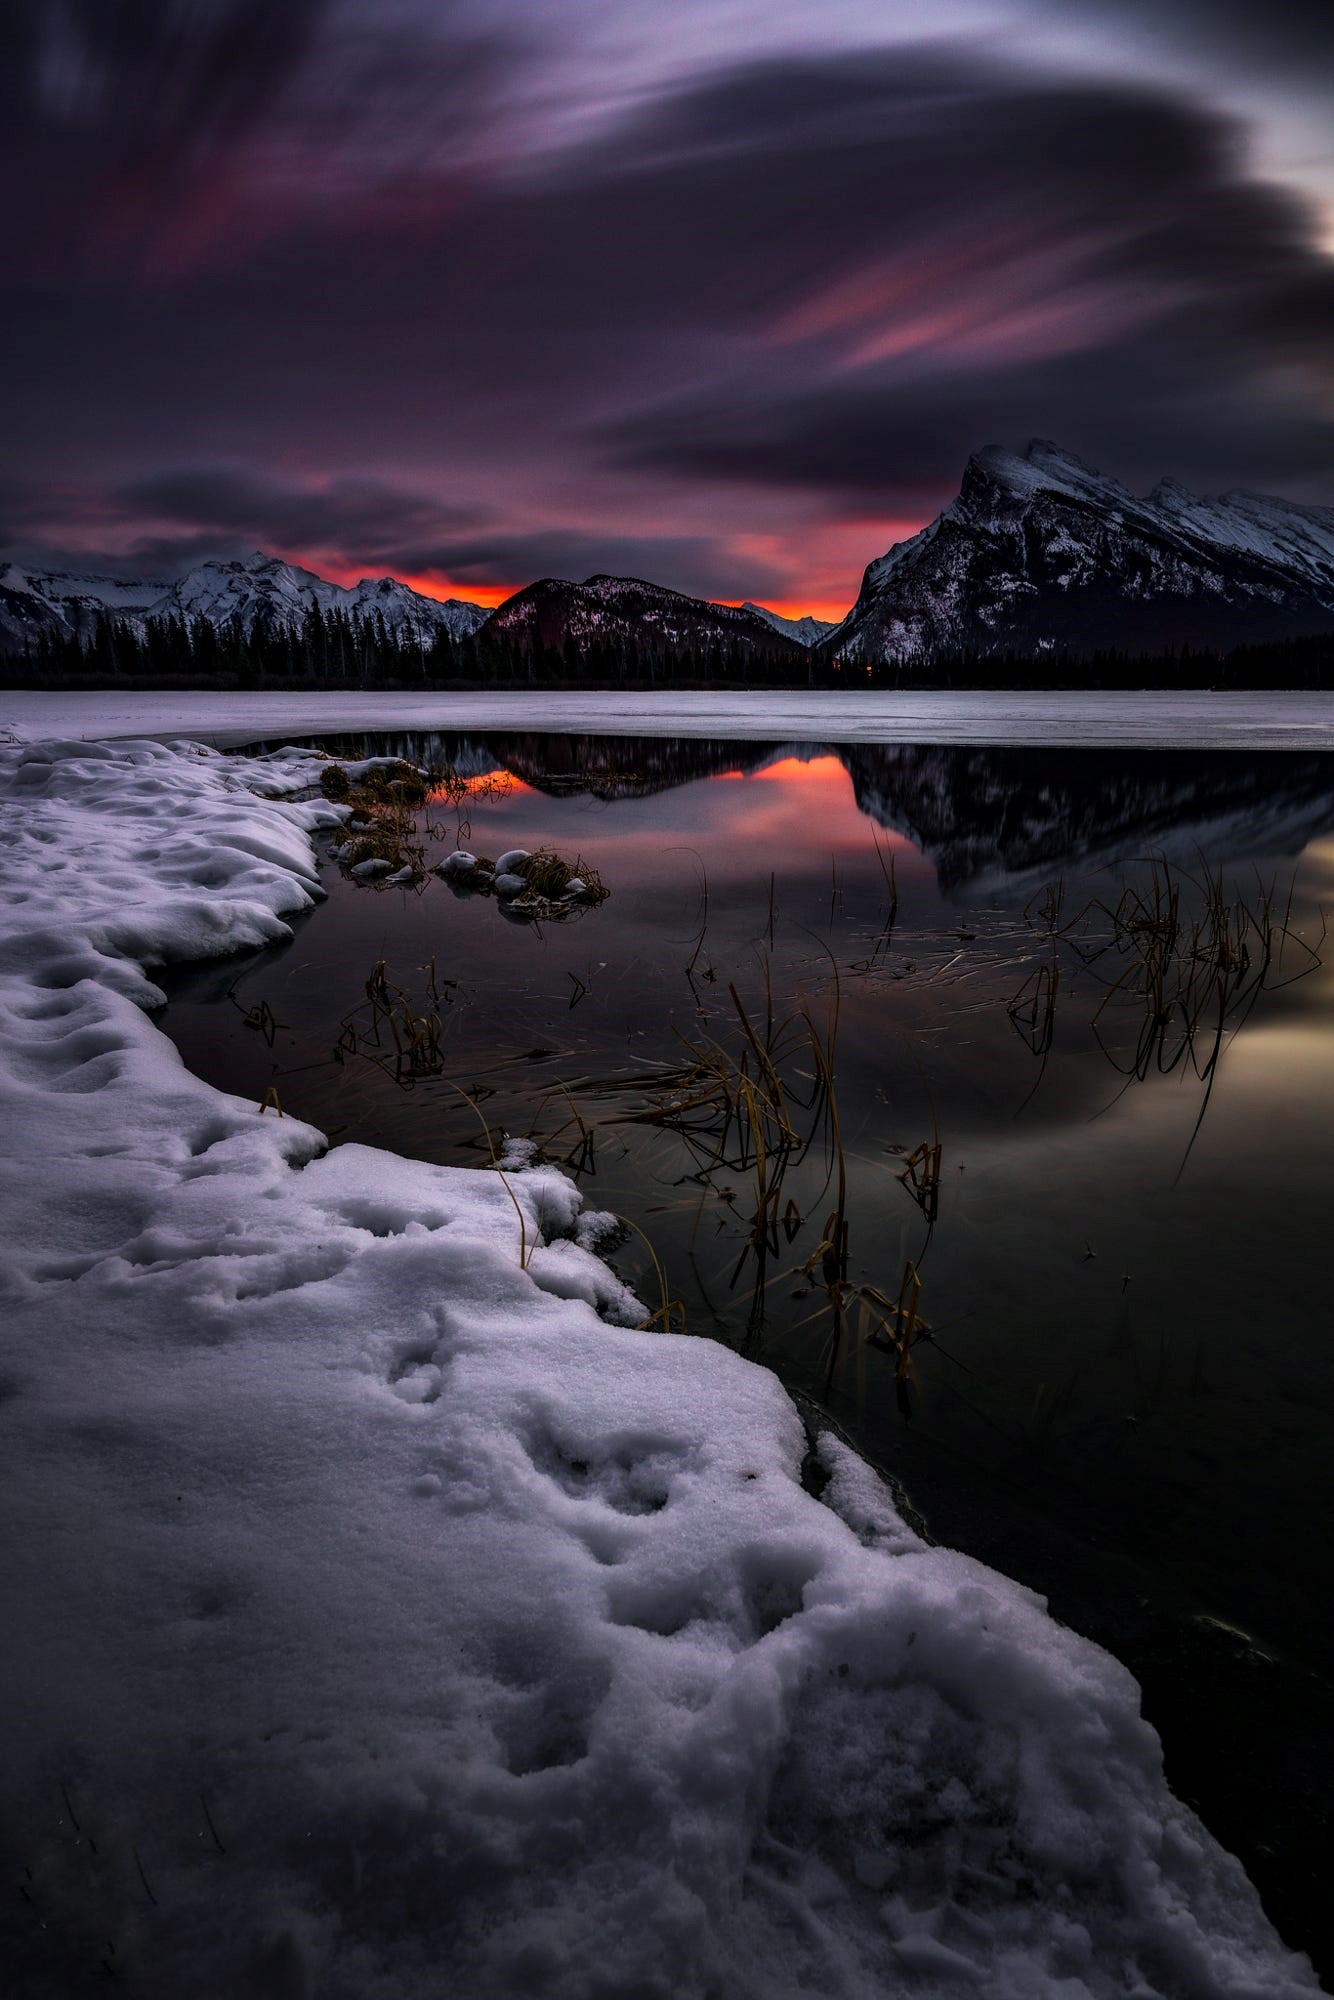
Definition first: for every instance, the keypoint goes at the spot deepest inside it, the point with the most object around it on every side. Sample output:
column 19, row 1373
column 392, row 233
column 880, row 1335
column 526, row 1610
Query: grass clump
column 554, row 880
column 390, row 781
column 393, row 783
column 384, row 797
column 544, row 885
column 377, row 844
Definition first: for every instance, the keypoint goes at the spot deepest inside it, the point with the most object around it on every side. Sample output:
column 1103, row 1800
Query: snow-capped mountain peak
column 1040, row 551
column 806, row 631
column 257, row 590
column 1042, row 467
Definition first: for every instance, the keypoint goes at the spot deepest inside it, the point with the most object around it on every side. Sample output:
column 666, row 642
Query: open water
column 1096, row 981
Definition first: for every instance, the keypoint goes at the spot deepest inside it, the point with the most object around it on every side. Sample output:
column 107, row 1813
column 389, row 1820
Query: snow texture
column 387, row 1617
column 1145, row 719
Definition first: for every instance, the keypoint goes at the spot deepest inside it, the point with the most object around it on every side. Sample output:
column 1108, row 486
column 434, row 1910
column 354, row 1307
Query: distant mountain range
column 1038, row 554
column 258, row 591
column 624, row 614
column 262, row 592
column 806, row 631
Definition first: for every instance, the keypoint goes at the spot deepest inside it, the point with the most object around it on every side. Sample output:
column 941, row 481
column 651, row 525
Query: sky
column 722, row 295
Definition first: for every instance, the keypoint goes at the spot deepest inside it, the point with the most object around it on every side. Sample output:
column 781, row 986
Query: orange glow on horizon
column 489, row 594
column 348, row 574
column 830, row 614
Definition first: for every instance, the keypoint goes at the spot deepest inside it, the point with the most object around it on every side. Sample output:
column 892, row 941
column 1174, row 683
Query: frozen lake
column 1280, row 721
column 1127, row 1404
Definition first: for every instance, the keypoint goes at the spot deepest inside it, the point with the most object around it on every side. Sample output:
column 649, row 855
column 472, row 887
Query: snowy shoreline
column 396, row 1619
column 1152, row 719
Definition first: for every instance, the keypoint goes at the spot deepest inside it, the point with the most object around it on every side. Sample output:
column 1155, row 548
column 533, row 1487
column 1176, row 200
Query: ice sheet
column 1150, row 718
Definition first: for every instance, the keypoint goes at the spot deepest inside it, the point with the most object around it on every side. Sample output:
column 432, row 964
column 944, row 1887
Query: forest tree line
column 329, row 650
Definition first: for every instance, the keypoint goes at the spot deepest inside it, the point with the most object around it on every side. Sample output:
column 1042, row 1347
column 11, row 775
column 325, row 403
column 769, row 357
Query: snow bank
column 384, row 1619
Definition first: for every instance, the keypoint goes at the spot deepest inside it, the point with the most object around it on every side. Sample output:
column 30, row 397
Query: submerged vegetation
column 743, row 1121
column 754, row 1108
column 1181, row 962
column 742, row 1124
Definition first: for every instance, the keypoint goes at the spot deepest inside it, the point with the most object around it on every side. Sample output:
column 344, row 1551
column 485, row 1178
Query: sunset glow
column 483, row 785
column 813, row 774
column 341, row 571
column 467, row 310
column 666, row 1063
column 490, row 594
column 831, row 613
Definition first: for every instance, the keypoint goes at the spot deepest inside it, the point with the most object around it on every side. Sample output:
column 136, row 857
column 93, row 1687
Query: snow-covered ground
column 386, row 1617
column 1204, row 721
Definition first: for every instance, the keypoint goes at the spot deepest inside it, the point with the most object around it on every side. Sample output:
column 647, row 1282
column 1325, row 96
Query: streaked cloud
column 432, row 289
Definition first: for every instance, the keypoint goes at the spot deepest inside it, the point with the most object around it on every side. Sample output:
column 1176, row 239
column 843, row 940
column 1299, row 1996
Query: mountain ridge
column 620, row 612
column 256, row 589
column 807, row 630
column 1040, row 552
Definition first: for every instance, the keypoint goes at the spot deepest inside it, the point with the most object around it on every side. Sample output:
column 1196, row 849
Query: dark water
column 1126, row 1397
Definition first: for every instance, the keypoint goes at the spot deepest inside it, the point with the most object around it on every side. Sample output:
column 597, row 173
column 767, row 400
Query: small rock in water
column 460, row 862
column 510, row 860
column 508, row 884
column 367, row 871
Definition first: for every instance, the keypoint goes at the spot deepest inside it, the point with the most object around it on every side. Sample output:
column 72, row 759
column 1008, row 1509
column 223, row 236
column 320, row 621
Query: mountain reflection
column 988, row 817
column 983, row 817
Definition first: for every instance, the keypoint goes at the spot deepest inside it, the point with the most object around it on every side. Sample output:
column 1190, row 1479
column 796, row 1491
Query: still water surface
column 1126, row 1395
